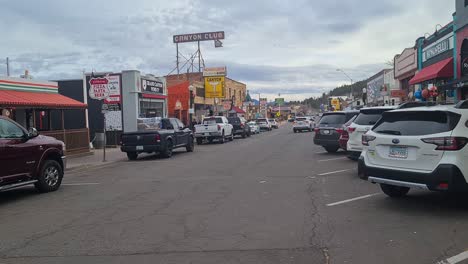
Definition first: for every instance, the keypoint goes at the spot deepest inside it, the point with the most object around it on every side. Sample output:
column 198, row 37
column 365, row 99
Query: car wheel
column 394, row 191
column 332, row 149
column 199, row 141
column 167, row 152
column 244, row 135
column 132, row 155
column 295, row 131
column 232, row 137
column 190, row 146
column 50, row 177
column 210, row 140
column 222, row 140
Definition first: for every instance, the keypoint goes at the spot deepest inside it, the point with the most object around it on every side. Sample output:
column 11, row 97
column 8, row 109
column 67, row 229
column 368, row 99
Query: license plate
column 207, row 134
column 300, row 123
column 139, row 148
column 398, row 152
column 326, row 132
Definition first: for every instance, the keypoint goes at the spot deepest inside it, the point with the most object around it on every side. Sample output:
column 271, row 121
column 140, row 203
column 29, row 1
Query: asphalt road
column 272, row 198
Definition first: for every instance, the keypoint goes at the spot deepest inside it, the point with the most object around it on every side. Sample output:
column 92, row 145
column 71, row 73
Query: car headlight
column 64, row 147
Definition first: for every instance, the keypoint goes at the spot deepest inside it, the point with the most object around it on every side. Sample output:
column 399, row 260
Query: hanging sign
column 98, row 88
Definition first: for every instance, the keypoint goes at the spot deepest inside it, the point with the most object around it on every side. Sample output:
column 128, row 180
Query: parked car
column 302, row 124
column 344, row 135
column 214, row 128
column 254, row 128
column 273, row 123
column 240, row 126
column 366, row 119
column 326, row 134
column 157, row 135
column 28, row 158
column 291, row 119
column 264, row 124
column 419, row 148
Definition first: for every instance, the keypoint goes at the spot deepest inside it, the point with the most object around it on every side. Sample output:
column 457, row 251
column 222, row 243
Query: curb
column 88, row 167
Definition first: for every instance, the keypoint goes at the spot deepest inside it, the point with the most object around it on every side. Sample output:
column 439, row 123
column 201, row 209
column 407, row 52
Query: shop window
column 150, row 109
column 201, row 92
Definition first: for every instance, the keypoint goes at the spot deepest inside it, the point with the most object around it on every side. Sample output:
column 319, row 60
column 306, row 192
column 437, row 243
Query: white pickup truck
column 214, row 127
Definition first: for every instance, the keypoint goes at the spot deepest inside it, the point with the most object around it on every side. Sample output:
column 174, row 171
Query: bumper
column 327, row 142
column 64, row 162
column 240, row 132
column 302, row 127
column 150, row 148
column 446, row 177
column 210, row 135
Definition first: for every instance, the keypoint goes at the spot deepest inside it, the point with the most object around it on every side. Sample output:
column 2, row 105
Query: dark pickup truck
column 29, row 158
column 160, row 135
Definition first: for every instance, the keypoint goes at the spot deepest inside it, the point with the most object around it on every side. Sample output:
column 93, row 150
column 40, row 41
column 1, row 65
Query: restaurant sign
column 438, row 48
column 195, row 37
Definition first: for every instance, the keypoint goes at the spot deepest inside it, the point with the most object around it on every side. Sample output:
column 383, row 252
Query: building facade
column 406, row 66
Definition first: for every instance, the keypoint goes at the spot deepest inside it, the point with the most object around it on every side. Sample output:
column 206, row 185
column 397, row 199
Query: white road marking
column 334, row 172
column 353, row 199
column 321, row 152
column 332, row 159
column 455, row 259
column 80, row 184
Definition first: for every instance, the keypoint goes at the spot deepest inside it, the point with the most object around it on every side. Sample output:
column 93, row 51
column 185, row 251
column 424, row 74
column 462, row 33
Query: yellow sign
column 336, row 104
column 214, row 87
column 278, row 114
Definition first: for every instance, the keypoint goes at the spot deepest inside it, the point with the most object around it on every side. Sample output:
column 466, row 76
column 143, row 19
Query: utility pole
column 8, row 67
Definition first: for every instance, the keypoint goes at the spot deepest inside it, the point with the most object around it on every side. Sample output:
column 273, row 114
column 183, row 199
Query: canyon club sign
column 195, row 37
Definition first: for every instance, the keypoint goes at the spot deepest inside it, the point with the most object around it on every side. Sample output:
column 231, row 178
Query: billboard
column 195, row 37
column 105, row 88
column 214, row 87
column 152, row 86
column 214, row 71
column 279, row 101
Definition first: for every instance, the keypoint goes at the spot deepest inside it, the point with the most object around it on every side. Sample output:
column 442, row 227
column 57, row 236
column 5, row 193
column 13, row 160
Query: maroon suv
column 29, row 158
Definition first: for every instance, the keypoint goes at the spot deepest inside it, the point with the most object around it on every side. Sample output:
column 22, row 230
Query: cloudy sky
column 275, row 46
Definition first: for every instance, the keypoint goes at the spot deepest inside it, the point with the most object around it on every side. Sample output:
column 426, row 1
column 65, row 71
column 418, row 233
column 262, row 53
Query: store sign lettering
column 99, row 88
column 437, row 49
column 152, row 86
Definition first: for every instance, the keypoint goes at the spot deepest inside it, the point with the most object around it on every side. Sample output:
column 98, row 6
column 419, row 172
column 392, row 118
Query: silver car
column 254, row 128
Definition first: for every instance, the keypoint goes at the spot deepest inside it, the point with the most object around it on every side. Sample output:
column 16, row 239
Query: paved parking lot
column 272, row 198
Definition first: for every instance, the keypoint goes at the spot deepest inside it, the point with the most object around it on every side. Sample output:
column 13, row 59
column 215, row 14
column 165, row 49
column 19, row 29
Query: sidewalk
column 95, row 159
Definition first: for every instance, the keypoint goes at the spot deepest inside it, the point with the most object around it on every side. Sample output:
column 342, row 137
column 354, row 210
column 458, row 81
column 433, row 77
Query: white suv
column 366, row 119
column 420, row 148
column 302, row 123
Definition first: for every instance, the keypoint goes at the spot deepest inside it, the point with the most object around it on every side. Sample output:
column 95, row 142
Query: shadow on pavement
column 27, row 192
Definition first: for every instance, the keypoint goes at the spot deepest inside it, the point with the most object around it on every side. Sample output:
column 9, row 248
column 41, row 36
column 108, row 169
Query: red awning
column 238, row 110
column 441, row 69
column 37, row 100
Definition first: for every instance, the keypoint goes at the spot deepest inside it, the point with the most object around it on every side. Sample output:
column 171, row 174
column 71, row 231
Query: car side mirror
column 33, row 133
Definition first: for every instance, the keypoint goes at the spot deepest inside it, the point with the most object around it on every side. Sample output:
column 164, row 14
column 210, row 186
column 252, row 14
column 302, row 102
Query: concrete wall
column 130, row 88
column 406, row 63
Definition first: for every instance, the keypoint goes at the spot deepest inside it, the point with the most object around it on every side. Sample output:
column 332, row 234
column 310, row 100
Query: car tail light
column 242, row 125
column 340, row 130
column 351, row 129
column 219, row 127
column 366, row 139
column 447, row 143
column 157, row 137
column 316, row 130
column 344, row 135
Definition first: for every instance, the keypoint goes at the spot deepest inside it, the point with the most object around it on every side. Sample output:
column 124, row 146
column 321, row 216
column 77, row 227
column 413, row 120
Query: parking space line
column 352, row 199
column 332, row 159
column 455, row 259
column 80, row 184
column 334, row 172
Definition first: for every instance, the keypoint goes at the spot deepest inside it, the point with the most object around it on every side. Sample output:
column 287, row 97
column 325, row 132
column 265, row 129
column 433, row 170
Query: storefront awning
column 441, row 69
column 37, row 100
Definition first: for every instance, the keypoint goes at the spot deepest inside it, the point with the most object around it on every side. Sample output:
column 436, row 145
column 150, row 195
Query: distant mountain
column 343, row 90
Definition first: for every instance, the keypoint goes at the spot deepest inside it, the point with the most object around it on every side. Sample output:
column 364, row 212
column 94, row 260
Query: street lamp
column 351, row 87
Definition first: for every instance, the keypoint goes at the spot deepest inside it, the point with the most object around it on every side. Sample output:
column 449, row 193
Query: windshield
column 262, row 121
column 301, row 119
column 416, row 123
column 333, row 119
column 212, row 121
column 234, row 121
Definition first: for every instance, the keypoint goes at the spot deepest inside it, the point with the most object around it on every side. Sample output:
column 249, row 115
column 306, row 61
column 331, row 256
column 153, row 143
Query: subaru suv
column 419, row 148
column 366, row 119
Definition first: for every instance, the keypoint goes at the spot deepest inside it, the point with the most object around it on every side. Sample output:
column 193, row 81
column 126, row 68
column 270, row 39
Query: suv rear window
column 301, row 119
column 416, row 123
column 333, row 119
column 369, row 117
column 212, row 121
column 234, row 120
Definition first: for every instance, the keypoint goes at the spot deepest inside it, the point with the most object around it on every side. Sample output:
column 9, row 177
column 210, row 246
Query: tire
column 190, row 146
column 132, row 155
column 394, row 191
column 232, row 137
column 223, row 139
column 295, row 131
column 199, row 141
column 50, row 177
column 332, row 149
column 244, row 135
column 167, row 152
column 210, row 140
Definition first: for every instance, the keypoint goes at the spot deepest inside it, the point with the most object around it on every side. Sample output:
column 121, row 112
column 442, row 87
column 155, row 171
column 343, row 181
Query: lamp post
column 351, row 79
column 191, row 109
